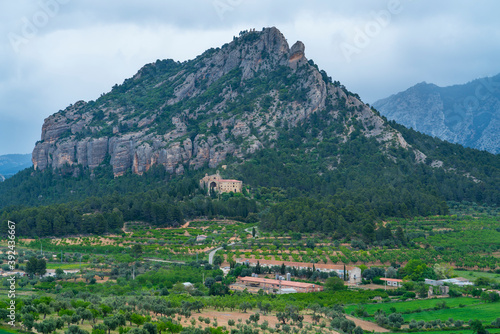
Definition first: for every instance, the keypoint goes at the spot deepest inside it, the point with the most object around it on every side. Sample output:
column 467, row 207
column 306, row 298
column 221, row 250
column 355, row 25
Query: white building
column 393, row 282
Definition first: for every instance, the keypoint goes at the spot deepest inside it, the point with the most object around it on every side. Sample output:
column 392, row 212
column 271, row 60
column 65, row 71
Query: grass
column 457, row 331
column 485, row 312
column 416, row 304
column 472, row 309
column 7, row 330
column 55, row 265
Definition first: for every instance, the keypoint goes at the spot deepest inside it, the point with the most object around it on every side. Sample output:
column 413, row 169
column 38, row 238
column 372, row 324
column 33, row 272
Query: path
column 367, row 325
column 160, row 260
column 213, row 251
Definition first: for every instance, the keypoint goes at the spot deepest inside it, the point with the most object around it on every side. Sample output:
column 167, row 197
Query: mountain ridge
column 204, row 110
column 467, row 114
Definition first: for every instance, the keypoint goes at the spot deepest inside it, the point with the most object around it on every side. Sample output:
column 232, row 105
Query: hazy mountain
column 467, row 114
column 10, row 164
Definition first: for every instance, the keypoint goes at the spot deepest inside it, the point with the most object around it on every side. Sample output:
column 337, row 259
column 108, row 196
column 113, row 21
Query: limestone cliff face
column 228, row 102
column 466, row 114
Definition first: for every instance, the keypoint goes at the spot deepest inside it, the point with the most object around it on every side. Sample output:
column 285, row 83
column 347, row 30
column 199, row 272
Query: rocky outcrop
column 229, row 101
column 466, row 114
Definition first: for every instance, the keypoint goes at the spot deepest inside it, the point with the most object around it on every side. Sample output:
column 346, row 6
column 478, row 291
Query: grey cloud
column 92, row 44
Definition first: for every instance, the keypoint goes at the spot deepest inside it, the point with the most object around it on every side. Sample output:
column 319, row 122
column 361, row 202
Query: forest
column 285, row 188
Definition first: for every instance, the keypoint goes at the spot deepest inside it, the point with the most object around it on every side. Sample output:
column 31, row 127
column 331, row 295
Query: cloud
column 84, row 47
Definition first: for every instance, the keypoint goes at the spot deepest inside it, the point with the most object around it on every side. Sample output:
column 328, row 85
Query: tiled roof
column 299, row 264
column 391, row 279
column 277, row 282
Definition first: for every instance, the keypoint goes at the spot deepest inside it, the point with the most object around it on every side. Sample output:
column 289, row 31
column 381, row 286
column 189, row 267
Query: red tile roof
column 298, row 264
column 277, row 282
column 391, row 279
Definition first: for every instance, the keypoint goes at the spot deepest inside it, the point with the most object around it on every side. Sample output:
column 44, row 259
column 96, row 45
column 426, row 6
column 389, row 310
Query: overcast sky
column 56, row 52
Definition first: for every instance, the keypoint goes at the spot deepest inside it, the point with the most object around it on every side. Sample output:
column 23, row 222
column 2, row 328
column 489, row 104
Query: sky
column 56, row 52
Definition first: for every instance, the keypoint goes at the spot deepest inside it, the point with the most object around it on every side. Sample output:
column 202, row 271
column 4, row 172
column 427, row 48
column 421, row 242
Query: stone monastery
column 217, row 184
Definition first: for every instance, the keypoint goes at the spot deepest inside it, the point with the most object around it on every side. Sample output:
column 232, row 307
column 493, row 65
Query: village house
column 393, row 282
column 52, row 272
column 459, row 281
column 353, row 273
column 279, row 286
column 18, row 273
column 201, row 238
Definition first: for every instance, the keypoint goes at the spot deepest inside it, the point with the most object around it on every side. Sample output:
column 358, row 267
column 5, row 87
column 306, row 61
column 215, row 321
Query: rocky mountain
column 10, row 164
column 467, row 114
column 229, row 102
column 311, row 155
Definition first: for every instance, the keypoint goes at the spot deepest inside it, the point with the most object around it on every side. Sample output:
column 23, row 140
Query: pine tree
column 31, row 266
column 41, row 267
column 257, row 268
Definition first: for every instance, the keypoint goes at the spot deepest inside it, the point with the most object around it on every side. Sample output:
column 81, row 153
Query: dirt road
column 367, row 325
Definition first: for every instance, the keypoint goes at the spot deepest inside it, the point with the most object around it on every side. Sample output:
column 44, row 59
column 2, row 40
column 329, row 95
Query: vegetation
column 116, row 255
column 113, row 291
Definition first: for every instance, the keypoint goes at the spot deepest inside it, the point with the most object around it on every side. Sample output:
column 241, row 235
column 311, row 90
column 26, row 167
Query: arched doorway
column 213, row 186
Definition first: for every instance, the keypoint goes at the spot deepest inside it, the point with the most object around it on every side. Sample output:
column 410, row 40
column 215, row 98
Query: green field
column 457, row 331
column 416, row 304
column 458, row 308
column 472, row 275
column 55, row 265
column 485, row 312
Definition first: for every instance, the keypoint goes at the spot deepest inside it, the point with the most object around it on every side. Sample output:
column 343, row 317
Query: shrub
column 409, row 294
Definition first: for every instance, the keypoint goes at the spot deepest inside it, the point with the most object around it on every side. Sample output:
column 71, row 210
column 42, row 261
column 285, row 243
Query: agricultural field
column 466, row 242
column 461, row 331
column 135, row 280
column 464, row 309
column 473, row 275
column 432, row 239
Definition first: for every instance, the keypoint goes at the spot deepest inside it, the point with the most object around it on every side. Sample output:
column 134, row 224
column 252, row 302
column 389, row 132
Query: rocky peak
column 297, row 51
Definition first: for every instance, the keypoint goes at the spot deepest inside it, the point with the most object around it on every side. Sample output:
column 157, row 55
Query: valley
column 111, row 270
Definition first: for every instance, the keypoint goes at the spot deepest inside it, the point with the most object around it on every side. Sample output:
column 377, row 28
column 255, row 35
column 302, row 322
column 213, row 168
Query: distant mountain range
column 467, row 114
column 10, row 164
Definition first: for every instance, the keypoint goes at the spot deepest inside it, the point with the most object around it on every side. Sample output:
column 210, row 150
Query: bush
column 395, row 320
column 409, row 294
column 454, row 293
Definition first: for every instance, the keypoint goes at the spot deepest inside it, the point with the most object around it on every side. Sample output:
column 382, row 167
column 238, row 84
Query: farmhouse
column 279, row 286
column 12, row 273
column 52, row 272
column 393, row 282
column 353, row 273
column 201, row 238
column 460, row 281
column 217, row 184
